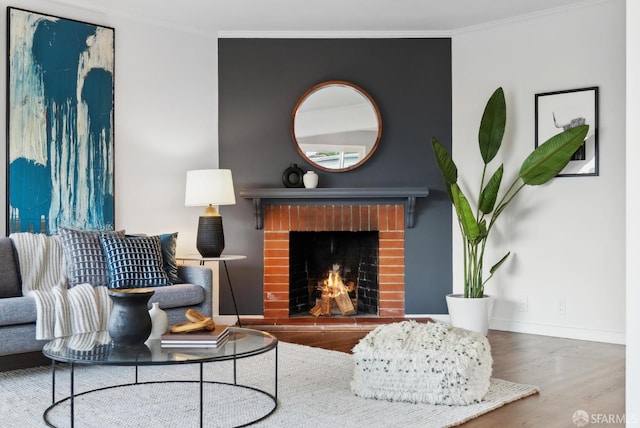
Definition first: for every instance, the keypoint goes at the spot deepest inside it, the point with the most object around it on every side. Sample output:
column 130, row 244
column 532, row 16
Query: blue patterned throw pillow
column 84, row 256
column 134, row 261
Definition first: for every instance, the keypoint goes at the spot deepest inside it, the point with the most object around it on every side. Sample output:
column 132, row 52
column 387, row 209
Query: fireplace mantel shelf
column 409, row 194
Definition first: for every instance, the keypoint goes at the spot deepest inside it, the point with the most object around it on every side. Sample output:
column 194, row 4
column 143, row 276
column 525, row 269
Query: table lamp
column 209, row 187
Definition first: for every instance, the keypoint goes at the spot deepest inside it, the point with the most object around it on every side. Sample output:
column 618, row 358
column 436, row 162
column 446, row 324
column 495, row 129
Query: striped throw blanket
column 61, row 311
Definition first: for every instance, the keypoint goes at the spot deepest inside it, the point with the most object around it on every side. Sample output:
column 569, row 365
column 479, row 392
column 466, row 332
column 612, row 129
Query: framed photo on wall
column 60, row 108
column 561, row 110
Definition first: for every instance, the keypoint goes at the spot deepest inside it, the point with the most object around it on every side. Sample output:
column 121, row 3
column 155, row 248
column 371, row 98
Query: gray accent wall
column 260, row 81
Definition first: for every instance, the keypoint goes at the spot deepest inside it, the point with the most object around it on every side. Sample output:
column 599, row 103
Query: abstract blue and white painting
column 61, row 113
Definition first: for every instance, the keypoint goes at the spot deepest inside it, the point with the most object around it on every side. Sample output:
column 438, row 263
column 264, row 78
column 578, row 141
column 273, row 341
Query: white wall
column 633, row 212
column 166, row 114
column 568, row 237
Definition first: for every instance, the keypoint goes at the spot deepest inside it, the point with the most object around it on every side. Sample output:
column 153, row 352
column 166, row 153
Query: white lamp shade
column 209, row 187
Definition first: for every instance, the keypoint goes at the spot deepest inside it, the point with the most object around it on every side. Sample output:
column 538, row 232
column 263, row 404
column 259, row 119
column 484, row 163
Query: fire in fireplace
column 334, row 292
column 333, row 273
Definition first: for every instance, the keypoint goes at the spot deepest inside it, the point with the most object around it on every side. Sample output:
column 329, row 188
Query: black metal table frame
column 235, row 305
column 201, row 381
column 202, row 262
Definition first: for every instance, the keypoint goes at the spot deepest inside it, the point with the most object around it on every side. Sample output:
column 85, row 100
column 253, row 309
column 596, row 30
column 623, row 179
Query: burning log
column 334, row 290
column 323, row 306
column 344, row 304
column 316, row 311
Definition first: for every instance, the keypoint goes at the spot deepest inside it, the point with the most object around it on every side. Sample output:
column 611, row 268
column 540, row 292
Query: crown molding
column 231, row 34
column 106, row 12
column 528, row 16
column 333, row 34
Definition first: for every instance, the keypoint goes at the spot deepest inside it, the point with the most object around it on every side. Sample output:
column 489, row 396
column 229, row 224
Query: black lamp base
column 210, row 240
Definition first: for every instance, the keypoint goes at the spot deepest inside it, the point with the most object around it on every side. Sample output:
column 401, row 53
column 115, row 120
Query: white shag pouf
column 423, row 363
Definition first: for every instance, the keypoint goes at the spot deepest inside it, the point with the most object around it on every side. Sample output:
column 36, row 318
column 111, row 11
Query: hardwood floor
column 571, row 375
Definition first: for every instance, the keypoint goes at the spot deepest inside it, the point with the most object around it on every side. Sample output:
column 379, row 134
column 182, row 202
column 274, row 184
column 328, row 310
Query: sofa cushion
column 17, row 310
column 9, row 277
column 84, row 256
column 168, row 243
column 178, row 295
column 134, row 261
column 22, row 310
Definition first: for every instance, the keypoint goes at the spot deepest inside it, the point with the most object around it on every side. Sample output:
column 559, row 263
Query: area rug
column 313, row 390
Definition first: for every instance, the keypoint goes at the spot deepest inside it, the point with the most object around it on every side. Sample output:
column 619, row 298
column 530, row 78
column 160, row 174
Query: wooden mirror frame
column 360, row 91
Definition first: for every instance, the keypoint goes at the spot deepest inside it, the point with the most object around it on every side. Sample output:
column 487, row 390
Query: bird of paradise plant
column 543, row 164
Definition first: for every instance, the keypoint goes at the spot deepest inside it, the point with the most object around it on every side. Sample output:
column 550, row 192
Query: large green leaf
column 447, row 167
column 492, row 126
column 489, row 194
column 482, row 227
column 465, row 214
column 550, row 158
column 497, row 265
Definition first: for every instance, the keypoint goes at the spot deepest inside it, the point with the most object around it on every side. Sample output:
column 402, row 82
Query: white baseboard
column 568, row 332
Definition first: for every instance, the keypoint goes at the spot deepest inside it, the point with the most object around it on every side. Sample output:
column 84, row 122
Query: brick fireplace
column 387, row 220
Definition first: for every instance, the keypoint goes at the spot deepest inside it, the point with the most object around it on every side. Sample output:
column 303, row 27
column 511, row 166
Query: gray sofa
column 18, row 312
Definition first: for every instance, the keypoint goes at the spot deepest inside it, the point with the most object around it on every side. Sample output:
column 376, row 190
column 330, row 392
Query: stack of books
column 198, row 339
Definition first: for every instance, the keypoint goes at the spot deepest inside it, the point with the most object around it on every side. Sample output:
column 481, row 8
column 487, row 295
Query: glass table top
column 97, row 348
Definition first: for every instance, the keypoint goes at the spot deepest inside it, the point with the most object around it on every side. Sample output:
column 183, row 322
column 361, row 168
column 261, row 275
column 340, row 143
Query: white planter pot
column 470, row 314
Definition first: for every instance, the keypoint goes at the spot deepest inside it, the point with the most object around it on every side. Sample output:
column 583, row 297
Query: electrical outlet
column 522, row 304
column 561, row 306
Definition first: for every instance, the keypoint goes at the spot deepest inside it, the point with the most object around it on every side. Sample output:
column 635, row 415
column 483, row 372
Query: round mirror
column 336, row 126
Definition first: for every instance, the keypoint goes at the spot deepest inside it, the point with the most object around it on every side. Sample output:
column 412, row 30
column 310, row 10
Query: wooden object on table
column 197, row 321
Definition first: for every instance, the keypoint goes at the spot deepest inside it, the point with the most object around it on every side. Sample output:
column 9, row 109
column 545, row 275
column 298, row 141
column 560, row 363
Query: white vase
column 159, row 321
column 470, row 314
column 310, row 180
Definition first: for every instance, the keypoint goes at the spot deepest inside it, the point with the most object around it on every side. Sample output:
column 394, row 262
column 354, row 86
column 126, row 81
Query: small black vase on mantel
column 292, row 176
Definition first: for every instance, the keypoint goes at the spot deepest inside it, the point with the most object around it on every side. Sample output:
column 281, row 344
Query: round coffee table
column 98, row 349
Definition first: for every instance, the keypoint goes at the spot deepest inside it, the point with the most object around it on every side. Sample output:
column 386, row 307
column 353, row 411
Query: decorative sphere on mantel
column 293, row 176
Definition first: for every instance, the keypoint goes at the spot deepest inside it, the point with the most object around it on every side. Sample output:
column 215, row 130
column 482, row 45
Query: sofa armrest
column 202, row 276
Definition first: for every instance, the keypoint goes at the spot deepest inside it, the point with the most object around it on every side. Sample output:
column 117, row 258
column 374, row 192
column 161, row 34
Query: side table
column 224, row 259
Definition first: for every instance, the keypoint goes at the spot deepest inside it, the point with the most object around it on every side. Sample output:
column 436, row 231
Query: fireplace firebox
column 333, row 273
